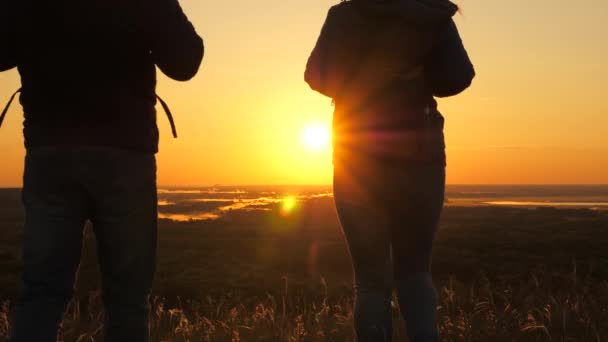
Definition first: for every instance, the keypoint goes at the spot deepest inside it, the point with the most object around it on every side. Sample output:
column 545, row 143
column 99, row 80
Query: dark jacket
column 366, row 45
column 88, row 67
column 383, row 62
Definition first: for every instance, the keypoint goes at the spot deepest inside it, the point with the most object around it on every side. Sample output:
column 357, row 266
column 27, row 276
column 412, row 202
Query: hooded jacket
column 366, row 45
column 383, row 62
column 88, row 68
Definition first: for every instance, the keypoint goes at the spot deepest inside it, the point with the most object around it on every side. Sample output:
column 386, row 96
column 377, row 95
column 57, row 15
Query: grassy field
column 502, row 274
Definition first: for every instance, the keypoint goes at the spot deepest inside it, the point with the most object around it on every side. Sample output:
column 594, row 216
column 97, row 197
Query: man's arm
column 8, row 36
column 176, row 47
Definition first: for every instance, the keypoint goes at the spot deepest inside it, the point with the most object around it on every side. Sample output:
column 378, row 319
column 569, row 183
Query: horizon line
column 160, row 187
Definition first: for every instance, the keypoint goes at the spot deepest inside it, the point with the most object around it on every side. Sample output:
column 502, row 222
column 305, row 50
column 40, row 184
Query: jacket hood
column 417, row 12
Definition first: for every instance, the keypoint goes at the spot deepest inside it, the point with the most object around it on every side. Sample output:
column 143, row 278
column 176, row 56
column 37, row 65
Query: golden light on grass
column 462, row 311
column 316, row 137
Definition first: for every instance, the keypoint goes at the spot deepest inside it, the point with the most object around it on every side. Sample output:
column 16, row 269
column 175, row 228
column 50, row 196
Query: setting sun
column 316, row 137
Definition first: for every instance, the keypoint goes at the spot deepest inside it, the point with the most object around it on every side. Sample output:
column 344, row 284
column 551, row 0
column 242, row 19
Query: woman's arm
column 315, row 74
column 449, row 69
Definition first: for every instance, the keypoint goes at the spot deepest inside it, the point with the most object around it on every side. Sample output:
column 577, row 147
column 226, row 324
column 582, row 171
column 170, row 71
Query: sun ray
column 316, row 138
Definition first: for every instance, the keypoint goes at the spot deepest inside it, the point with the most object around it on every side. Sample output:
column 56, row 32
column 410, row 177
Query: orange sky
column 535, row 113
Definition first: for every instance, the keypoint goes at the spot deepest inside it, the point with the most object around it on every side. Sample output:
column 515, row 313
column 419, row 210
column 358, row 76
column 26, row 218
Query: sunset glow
column 535, row 114
column 326, row 170
column 316, row 138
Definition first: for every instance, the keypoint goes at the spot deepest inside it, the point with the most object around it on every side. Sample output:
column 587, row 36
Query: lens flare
column 289, row 204
column 316, row 137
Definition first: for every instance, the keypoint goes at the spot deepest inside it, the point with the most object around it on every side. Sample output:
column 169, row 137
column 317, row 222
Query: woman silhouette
column 383, row 62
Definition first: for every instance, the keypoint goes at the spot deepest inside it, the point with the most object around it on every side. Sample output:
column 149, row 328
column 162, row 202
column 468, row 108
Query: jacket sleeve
column 449, row 69
column 8, row 36
column 315, row 74
column 176, row 47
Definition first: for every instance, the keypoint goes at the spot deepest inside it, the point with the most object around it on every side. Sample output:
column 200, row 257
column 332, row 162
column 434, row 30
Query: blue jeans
column 389, row 215
column 63, row 188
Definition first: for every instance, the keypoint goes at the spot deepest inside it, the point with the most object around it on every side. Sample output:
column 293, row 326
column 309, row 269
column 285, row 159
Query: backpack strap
column 169, row 116
column 8, row 105
column 162, row 102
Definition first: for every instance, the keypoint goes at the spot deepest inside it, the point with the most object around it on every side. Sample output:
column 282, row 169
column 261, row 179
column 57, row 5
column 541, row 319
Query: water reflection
column 249, row 204
column 201, row 191
column 214, row 203
column 549, row 204
column 210, row 203
column 189, row 217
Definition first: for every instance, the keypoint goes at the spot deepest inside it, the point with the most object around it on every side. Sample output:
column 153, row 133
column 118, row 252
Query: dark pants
column 63, row 188
column 389, row 214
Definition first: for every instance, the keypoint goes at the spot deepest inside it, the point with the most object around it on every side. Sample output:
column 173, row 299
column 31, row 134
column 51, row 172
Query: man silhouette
column 88, row 92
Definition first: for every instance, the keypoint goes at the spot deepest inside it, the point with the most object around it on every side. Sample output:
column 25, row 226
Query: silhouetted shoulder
column 342, row 9
column 341, row 6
